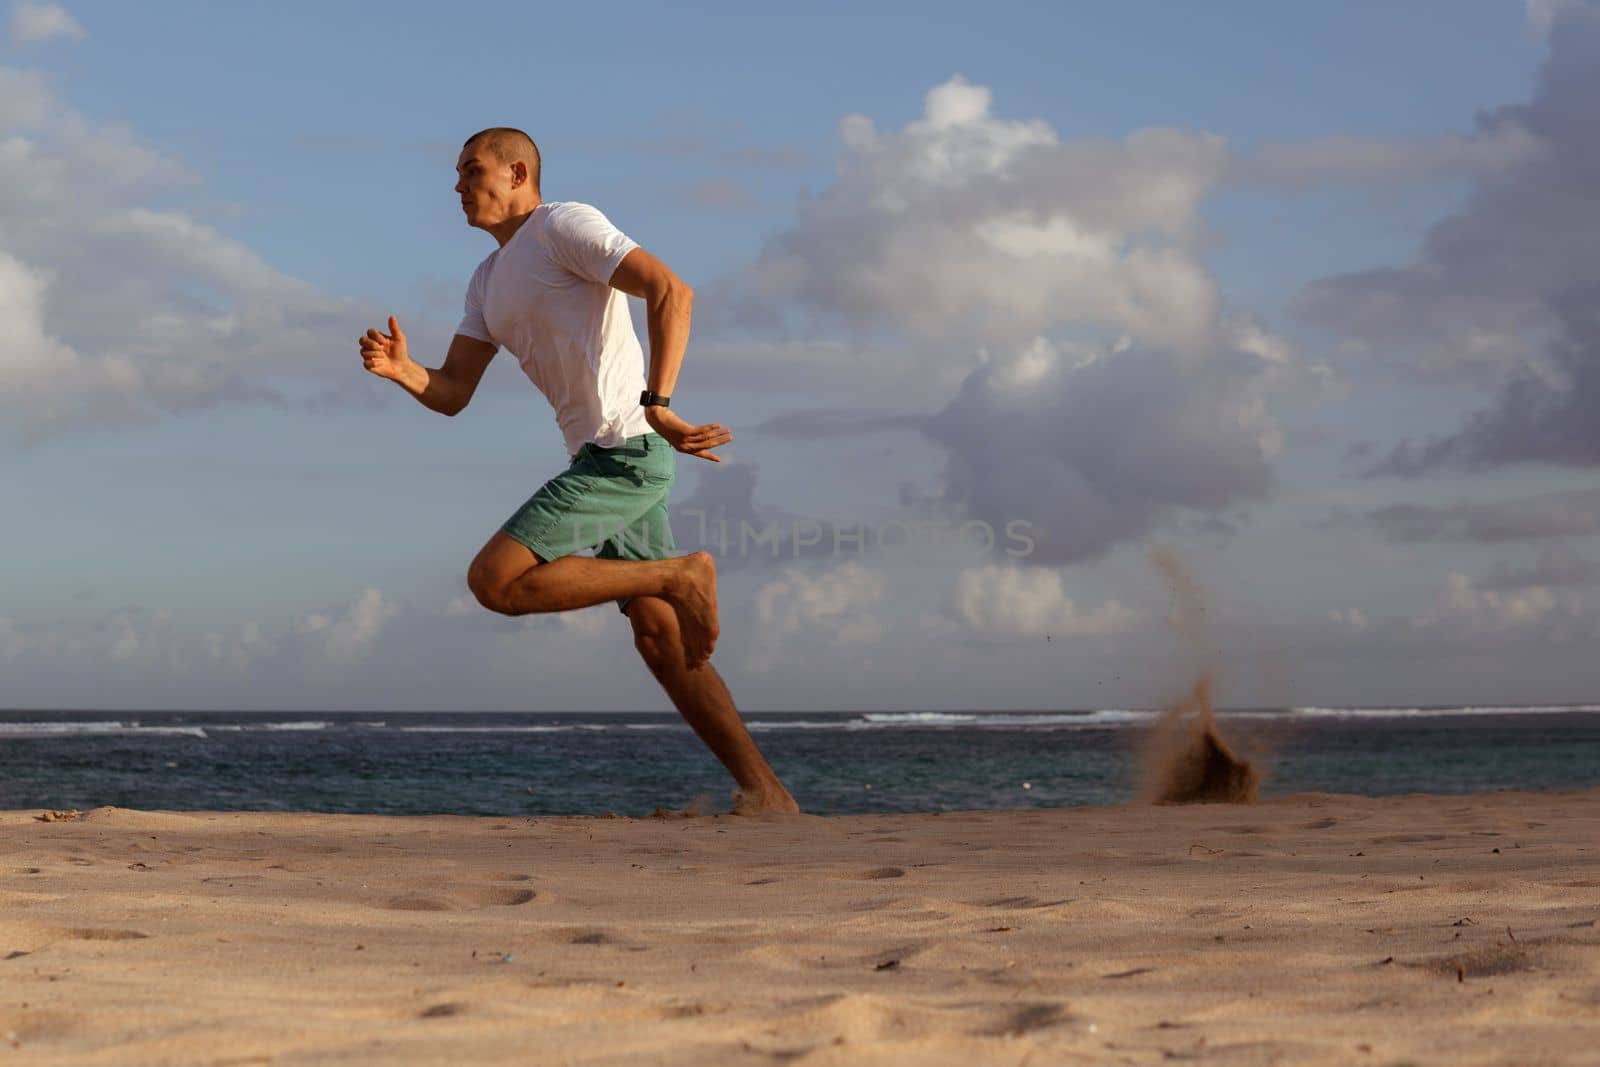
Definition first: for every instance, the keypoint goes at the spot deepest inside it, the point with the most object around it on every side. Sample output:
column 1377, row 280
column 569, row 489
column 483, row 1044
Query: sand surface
column 1311, row 930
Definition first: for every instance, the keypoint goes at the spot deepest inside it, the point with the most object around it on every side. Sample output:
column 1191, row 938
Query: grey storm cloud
column 1088, row 378
column 721, row 516
column 1496, row 145
column 1506, row 290
column 1091, row 454
column 1547, row 515
column 1555, row 566
column 811, row 424
column 1537, row 418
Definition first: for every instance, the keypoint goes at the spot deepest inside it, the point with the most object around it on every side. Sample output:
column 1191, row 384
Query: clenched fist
column 385, row 354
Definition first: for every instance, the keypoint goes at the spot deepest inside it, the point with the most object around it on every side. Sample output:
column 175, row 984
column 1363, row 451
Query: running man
column 555, row 293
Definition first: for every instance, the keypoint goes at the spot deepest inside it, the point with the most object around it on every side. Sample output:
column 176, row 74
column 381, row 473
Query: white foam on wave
column 23, row 728
column 1430, row 713
column 890, row 718
column 92, row 729
column 486, row 729
column 912, row 719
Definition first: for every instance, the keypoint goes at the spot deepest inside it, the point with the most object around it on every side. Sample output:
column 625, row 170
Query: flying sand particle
column 1187, row 761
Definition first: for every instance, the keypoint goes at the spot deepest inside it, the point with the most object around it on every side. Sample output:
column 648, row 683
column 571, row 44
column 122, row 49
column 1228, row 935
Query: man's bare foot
column 695, row 602
column 763, row 802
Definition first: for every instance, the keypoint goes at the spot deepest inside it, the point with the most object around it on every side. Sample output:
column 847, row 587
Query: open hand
column 385, row 354
column 688, row 439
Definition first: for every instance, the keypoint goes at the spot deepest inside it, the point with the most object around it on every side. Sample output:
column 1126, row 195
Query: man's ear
column 519, row 172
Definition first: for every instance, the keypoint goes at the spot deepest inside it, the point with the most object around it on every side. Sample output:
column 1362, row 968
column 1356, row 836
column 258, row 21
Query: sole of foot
column 695, row 602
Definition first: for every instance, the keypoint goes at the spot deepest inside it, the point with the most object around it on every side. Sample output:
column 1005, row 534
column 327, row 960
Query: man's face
column 488, row 188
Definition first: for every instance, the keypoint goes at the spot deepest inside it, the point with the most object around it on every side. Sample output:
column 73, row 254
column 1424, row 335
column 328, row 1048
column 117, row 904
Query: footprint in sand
column 89, row 933
column 463, row 900
column 439, row 1011
column 418, row 904
column 22, row 870
column 883, row 872
column 1019, row 1021
column 1022, row 902
column 1406, row 839
column 34, row 1024
column 866, row 1017
column 1484, row 963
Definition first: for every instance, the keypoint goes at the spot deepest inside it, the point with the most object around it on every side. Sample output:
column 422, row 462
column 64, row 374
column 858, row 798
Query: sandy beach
column 1309, row 930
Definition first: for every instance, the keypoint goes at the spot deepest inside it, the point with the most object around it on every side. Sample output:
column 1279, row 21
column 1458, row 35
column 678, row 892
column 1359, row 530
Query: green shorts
column 613, row 500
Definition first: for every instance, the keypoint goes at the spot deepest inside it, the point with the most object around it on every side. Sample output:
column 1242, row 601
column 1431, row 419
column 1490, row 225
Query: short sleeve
column 472, row 322
column 585, row 242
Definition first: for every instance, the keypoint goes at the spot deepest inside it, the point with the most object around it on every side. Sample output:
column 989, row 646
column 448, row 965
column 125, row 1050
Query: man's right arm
column 449, row 389
column 446, row 390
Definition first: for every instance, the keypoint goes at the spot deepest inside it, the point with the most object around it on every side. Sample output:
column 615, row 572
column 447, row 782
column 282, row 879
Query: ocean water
column 833, row 762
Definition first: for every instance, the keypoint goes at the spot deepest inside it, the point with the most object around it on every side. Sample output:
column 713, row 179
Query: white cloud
column 38, row 365
column 964, row 229
column 121, row 311
column 587, row 622
column 1542, row 14
column 237, row 649
column 1031, row 602
column 13, row 640
column 1354, row 618
column 122, row 640
column 1464, row 602
column 347, row 636
column 35, row 23
column 837, row 603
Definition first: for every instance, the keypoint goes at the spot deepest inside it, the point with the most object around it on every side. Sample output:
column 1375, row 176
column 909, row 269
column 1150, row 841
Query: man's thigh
column 584, row 507
column 647, row 537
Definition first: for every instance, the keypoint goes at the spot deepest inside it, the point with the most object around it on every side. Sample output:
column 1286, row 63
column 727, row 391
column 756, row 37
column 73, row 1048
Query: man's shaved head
column 508, row 146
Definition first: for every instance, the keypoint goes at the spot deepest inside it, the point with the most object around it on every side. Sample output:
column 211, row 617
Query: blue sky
column 1135, row 276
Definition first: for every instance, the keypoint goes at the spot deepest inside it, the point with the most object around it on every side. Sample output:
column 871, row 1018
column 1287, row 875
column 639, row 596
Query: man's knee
column 495, row 569
column 488, row 587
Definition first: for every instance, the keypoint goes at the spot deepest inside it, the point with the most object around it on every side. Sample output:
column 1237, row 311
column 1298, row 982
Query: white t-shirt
column 546, row 297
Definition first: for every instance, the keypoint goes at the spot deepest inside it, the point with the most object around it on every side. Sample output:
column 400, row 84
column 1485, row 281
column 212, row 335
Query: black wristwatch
column 648, row 399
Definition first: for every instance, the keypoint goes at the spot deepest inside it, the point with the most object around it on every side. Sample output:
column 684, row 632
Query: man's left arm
column 669, row 306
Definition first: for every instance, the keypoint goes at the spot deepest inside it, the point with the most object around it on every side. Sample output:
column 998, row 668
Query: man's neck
column 507, row 229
